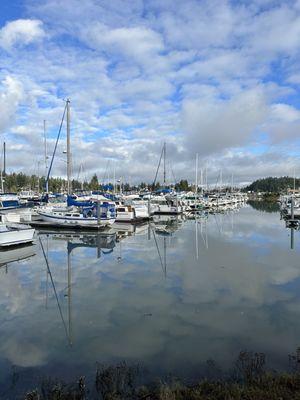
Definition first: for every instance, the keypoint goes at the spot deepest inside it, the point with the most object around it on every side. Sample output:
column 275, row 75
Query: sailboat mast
column 4, row 159
column 46, row 156
column 294, row 180
column 164, row 164
column 201, row 180
column 38, row 176
column 1, row 178
column 68, row 149
column 196, row 178
column 114, row 182
column 3, row 169
column 82, row 179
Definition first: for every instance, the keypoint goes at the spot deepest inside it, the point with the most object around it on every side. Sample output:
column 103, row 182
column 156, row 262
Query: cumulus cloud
column 214, row 126
column 139, row 42
column 11, row 94
column 21, row 32
column 144, row 73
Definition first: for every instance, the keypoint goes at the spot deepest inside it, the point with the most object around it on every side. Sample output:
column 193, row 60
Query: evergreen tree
column 94, row 184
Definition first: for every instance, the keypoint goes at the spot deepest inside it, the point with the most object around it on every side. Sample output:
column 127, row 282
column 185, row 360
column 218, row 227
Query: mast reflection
column 104, row 244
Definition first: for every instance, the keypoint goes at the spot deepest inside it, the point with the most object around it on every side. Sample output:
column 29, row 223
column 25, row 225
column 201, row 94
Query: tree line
column 273, row 185
column 14, row 182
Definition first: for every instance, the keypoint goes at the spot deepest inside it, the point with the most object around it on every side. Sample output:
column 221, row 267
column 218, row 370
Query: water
column 168, row 297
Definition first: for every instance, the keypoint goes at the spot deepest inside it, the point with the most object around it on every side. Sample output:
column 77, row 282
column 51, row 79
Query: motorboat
column 9, row 201
column 165, row 206
column 15, row 234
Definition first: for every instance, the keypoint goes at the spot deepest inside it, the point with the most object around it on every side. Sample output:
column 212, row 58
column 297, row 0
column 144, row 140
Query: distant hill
column 274, row 185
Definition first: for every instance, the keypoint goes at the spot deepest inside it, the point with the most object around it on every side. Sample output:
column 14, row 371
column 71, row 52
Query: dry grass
column 249, row 381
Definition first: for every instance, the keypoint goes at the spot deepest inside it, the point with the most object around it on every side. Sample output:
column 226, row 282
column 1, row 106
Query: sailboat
column 165, row 203
column 94, row 214
column 8, row 201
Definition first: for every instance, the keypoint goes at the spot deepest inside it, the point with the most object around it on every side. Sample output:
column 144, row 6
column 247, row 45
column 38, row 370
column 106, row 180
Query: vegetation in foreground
column 269, row 387
column 248, row 381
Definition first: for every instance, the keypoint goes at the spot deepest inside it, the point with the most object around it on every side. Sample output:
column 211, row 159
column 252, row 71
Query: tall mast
column 69, row 170
column 4, row 159
column 114, row 183
column 196, row 178
column 164, row 164
column 38, row 176
column 2, row 169
column 1, row 179
column 294, row 180
column 46, row 156
column 82, row 179
column 201, row 180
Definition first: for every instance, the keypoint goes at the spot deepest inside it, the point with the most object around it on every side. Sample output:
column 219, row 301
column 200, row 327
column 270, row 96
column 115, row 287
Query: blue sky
column 218, row 78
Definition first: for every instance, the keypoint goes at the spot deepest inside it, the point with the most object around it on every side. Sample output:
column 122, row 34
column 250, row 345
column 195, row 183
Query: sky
column 217, row 78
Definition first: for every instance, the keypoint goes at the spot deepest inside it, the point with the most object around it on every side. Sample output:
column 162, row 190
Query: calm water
column 168, row 296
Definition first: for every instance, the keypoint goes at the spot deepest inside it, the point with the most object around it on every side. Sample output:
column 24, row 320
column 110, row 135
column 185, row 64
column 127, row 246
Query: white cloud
column 214, row 126
column 141, row 73
column 139, row 44
column 11, row 94
column 21, row 32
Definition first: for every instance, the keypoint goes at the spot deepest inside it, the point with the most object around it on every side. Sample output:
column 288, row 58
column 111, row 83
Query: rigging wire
column 56, row 143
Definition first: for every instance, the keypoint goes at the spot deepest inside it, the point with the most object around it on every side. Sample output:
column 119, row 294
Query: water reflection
column 266, row 206
column 168, row 295
column 16, row 254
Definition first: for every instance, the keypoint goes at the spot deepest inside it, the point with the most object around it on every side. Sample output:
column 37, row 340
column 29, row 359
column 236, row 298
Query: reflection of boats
column 103, row 242
column 123, row 227
column 16, row 254
column 166, row 225
column 12, row 235
column 100, row 241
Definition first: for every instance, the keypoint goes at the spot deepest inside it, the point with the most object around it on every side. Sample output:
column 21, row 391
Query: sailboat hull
column 75, row 221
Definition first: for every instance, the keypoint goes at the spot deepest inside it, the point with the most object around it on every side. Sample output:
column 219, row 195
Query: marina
column 149, row 200
column 175, row 279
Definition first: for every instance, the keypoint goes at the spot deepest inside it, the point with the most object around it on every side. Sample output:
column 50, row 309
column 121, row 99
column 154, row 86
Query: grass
column 249, row 380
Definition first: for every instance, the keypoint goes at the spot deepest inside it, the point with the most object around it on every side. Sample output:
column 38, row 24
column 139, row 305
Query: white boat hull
column 125, row 216
column 16, row 237
column 75, row 222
